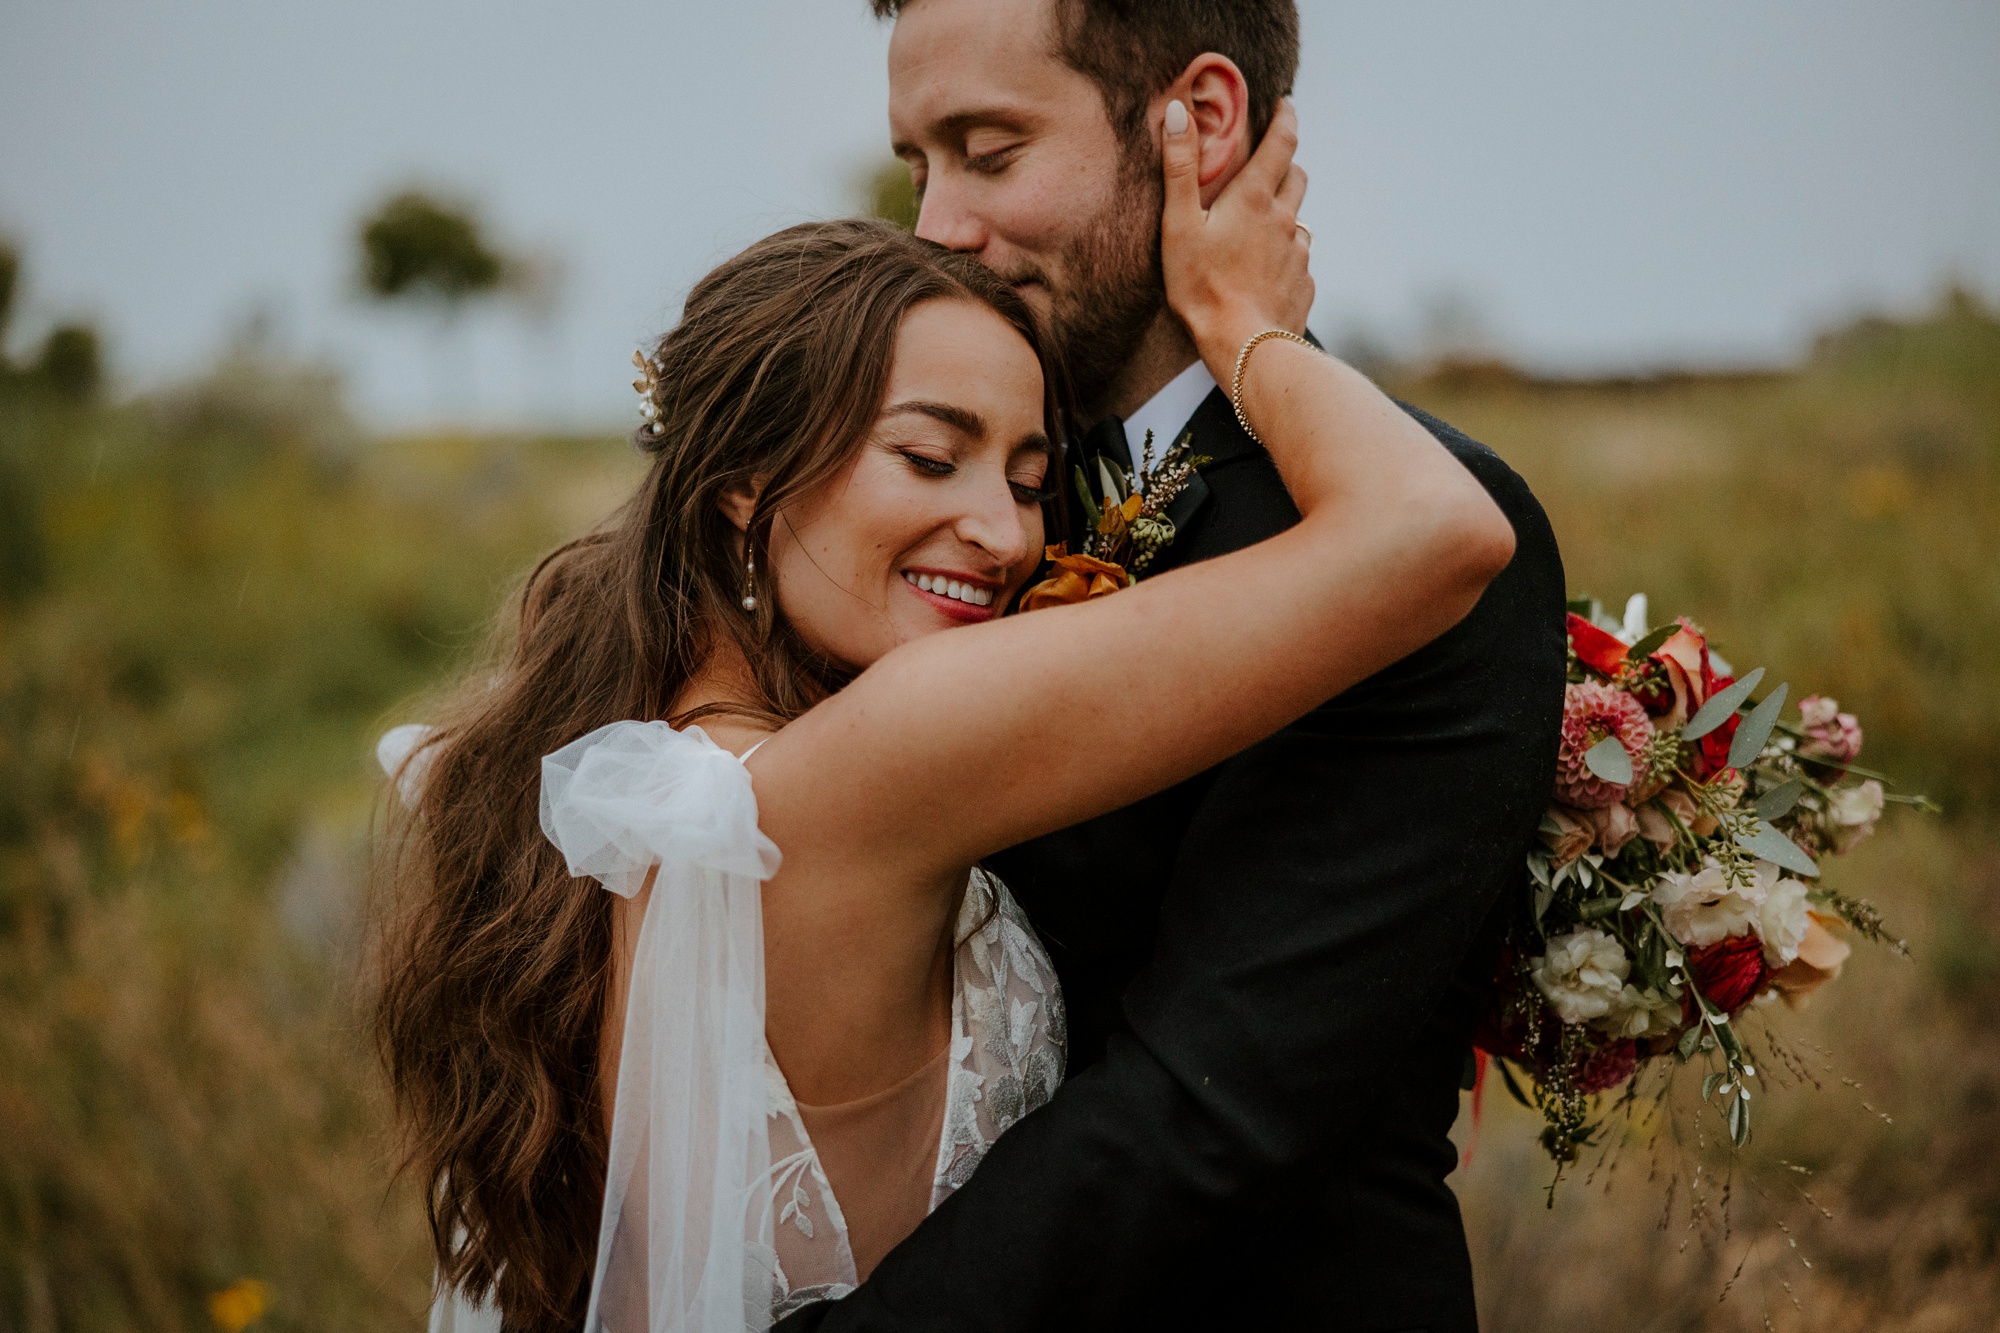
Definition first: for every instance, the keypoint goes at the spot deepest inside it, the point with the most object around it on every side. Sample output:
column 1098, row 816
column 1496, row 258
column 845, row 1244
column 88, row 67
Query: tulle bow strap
column 393, row 752
column 685, row 1240
column 634, row 795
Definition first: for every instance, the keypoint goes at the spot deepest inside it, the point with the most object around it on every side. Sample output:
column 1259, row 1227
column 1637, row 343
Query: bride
column 732, row 1083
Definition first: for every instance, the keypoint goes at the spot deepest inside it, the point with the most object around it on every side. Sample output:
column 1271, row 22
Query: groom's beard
column 1112, row 287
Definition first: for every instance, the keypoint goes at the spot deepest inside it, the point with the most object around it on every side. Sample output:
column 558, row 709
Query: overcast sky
column 1608, row 185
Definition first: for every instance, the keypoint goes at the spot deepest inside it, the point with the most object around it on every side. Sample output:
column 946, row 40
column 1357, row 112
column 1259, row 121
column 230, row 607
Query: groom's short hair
column 1131, row 49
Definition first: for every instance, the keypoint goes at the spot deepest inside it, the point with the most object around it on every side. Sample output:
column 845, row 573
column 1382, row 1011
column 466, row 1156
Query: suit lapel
column 1220, row 439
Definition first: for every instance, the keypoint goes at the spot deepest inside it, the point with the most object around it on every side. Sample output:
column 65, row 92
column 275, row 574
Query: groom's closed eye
column 991, row 164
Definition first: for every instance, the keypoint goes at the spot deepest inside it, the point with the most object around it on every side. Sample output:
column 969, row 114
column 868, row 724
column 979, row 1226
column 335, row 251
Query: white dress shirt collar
column 1167, row 414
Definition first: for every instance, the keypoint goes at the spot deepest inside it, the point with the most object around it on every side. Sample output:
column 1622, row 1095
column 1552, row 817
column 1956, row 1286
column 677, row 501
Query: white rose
column 1853, row 806
column 1640, row 1013
column 1853, row 811
column 1782, row 920
column 1707, row 906
column 1582, row 975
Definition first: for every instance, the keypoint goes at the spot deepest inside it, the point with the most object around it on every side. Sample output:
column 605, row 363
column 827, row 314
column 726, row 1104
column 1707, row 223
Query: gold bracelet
column 1242, row 363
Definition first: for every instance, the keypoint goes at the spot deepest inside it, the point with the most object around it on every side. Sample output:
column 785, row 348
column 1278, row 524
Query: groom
column 1271, row 970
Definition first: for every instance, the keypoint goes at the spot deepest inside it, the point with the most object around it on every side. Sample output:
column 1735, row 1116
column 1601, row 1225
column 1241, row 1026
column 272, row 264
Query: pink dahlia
column 1591, row 712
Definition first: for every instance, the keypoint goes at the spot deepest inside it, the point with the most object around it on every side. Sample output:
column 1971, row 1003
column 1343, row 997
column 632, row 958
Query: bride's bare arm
column 964, row 742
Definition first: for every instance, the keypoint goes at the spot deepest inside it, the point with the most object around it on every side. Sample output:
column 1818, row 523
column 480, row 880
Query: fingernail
column 1177, row 118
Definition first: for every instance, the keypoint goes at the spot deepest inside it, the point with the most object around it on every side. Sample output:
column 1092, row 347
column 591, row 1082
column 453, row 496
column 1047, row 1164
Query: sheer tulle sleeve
column 685, row 1240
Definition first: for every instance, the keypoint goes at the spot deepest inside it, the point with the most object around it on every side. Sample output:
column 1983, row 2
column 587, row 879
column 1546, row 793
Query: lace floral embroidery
column 1009, row 1031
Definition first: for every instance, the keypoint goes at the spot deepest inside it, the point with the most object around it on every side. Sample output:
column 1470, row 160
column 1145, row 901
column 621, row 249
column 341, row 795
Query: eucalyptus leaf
column 1543, row 896
column 1775, row 847
column 1083, row 496
column 1756, row 729
column 1722, row 707
column 1778, row 802
column 1649, row 645
column 1110, row 477
column 1739, row 1122
column 1688, row 1042
column 1538, row 866
column 1609, row 760
column 1708, row 1084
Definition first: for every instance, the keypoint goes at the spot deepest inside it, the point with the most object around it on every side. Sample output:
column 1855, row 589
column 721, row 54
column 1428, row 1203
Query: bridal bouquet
column 1674, row 884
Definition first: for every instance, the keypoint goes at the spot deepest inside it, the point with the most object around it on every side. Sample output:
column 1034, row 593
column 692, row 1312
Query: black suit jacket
column 1271, row 973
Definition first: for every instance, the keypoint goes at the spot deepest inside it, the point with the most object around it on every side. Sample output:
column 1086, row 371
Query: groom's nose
column 945, row 219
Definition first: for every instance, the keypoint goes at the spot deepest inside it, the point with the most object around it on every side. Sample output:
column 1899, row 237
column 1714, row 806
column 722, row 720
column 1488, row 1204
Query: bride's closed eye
column 1031, row 486
column 925, row 466
column 1028, row 489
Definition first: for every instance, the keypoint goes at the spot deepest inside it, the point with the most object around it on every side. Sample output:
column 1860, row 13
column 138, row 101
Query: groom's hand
column 1240, row 266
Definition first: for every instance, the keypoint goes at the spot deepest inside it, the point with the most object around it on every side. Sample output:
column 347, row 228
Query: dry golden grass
column 209, row 607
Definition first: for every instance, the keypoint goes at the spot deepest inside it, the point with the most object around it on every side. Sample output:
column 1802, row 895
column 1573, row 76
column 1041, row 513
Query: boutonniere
column 1128, row 527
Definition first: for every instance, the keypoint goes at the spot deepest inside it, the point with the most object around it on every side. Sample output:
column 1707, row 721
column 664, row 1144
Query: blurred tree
column 889, row 193
column 420, row 250
column 416, row 247
column 71, row 363
column 10, row 280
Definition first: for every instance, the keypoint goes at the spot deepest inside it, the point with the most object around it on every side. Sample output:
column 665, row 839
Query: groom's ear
column 1218, row 98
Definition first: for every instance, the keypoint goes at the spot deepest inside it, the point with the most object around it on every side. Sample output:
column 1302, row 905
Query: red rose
column 1728, row 972
column 1714, row 747
column 1691, row 673
column 1712, row 751
column 1594, row 648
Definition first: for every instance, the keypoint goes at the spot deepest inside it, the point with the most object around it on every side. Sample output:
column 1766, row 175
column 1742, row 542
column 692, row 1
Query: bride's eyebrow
column 962, row 420
column 965, row 421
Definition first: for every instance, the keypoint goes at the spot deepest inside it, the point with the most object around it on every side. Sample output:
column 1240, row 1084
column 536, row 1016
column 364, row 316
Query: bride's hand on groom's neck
column 1239, row 266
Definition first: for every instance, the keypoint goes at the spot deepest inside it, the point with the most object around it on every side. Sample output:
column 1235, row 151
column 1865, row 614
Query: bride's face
column 936, row 522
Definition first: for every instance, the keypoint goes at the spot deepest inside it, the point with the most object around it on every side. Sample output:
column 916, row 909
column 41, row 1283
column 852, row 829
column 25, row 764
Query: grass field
column 211, row 602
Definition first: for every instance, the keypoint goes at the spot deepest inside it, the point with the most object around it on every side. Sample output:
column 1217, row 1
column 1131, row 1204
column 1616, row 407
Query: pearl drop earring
column 749, row 577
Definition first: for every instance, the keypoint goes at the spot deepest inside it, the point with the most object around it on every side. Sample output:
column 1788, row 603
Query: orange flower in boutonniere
column 1076, row 578
column 1127, row 529
column 1114, row 521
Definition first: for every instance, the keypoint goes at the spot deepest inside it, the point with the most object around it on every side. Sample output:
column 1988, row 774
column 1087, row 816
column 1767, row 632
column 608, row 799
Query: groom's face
column 1016, row 161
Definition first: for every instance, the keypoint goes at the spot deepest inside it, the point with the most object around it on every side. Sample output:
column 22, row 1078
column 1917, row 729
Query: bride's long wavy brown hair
column 492, row 963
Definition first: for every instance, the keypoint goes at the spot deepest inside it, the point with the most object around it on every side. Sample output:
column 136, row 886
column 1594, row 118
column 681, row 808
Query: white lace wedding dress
column 718, row 1217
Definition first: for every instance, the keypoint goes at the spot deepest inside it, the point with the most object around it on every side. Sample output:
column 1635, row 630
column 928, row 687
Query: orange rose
column 1821, row 956
column 1076, row 578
